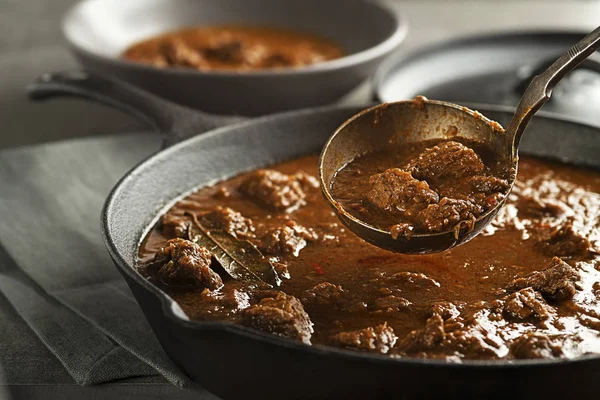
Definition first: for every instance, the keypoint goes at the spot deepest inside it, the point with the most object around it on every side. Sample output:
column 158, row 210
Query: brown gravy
column 428, row 187
column 503, row 295
column 233, row 48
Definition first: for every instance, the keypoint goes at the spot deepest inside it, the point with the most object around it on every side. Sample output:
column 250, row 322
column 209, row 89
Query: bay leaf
column 239, row 258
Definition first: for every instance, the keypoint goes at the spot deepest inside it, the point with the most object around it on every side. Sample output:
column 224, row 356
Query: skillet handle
column 174, row 121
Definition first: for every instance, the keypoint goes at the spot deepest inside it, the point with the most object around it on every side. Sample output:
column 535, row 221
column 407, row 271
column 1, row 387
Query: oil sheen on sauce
column 472, row 278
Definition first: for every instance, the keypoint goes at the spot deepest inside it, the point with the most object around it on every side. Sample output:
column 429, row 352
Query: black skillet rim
column 167, row 302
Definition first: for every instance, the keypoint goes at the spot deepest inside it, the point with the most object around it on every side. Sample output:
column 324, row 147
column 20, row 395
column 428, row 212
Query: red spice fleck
column 318, row 269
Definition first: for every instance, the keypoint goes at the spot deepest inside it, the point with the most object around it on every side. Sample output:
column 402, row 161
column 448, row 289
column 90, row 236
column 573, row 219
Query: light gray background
column 31, row 43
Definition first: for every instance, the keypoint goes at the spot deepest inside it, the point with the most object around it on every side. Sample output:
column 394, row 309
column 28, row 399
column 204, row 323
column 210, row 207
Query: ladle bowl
column 394, row 125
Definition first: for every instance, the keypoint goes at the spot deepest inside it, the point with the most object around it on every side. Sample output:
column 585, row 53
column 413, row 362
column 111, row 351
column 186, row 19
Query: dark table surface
column 31, row 43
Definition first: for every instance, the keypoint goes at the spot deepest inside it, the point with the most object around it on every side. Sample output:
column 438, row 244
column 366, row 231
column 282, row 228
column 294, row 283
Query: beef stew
column 428, row 187
column 233, row 48
column 528, row 287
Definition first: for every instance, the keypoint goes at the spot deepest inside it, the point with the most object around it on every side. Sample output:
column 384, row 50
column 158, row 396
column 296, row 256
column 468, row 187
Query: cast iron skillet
column 492, row 68
column 236, row 362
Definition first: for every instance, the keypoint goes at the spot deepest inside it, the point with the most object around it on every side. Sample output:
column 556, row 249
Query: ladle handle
column 539, row 90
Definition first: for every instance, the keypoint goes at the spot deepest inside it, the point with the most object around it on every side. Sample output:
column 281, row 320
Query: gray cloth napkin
column 54, row 269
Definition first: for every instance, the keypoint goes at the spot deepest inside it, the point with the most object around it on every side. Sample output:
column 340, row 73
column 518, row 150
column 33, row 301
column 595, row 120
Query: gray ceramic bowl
column 99, row 30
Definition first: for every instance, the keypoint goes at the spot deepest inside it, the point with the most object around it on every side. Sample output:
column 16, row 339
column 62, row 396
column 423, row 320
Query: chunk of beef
column 416, row 280
column 380, row 339
column 228, row 220
column 557, row 282
column 526, row 304
column 447, row 161
column 474, row 341
column 475, row 331
column 183, row 263
column 402, row 229
column 227, row 52
column 447, row 214
column 391, row 303
column 216, row 304
column 424, row 339
column 535, row 345
column 483, row 191
column 325, row 293
column 278, row 191
column 285, row 240
column 474, row 334
column 174, row 226
column 563, row 241
column 176, row 52
column 485, row 184
column 398, row 192
column 444, row 309
column 281, row 315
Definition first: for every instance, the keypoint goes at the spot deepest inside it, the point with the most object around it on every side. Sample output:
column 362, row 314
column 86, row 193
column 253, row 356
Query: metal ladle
column 393, row 125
